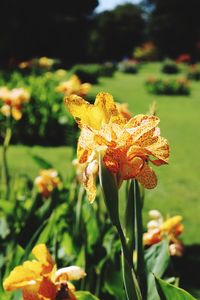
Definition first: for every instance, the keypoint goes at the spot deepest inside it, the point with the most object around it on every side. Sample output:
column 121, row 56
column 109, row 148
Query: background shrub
column 170, row 67
column 128, row 66
column 178, row 86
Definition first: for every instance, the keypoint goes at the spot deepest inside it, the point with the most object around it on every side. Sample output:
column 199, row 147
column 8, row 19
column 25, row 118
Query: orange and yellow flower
column 127, row 146
column 74, row 86
column 40, row 280
column 47, row 181
column 158, row 228
column 13, row 101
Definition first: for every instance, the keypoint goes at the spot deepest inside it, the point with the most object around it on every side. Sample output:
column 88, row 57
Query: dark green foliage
column 51, row 28
column 194, row 72
column 168, row 86
column 115, row 33
column 92, row 72
column 128, row 66
column 170, row 67
column 174, row 26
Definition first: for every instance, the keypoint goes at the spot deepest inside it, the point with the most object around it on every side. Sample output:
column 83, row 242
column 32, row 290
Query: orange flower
column 74, row 86
column 47, row 181
column 13, row 101
column 158, row 228
column 40, row 280
column 126, row 146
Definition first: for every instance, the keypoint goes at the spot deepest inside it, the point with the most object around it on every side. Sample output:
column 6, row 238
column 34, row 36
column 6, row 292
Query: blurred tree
column 116, row 33
column 174, row 25
column 42, row 27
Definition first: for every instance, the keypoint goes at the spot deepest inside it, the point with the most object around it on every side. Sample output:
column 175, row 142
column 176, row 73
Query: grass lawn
column 178, row 190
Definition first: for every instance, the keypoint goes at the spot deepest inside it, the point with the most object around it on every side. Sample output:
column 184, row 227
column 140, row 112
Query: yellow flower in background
column 158, row 228
column 40, row 280
column 173, row 226
column 74, row 86
column 46, row 62
column 126, row 145
column 47, row 181
column 13, row 101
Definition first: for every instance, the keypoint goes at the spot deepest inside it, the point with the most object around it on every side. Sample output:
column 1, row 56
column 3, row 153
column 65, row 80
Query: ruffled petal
column 140, row 125
column 160, row 149
column 20, row 277
column 44, row 257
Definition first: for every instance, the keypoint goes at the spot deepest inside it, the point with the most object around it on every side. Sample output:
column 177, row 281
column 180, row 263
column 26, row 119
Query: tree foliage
column 116, row 32
column 174, row 25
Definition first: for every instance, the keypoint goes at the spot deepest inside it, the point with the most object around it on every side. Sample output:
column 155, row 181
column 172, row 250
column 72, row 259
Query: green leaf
column 110, row 192
column 82, row 295
column 130, row 281
column 41, row 162
column 168, row 291
column 113, row 283
column 134, row 229
column 157, row 260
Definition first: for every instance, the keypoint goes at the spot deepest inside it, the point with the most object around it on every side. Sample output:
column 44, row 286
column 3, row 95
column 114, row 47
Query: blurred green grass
column 178, row 190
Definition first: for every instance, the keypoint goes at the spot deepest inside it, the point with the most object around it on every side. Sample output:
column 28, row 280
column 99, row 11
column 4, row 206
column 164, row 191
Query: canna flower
column 13, row 101
column 158, row 228
column 127, row 146
column 73, row 86
column 47, row 181
column 40, row 280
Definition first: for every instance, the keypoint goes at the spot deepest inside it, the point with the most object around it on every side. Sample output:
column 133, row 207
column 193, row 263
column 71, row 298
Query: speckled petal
column 147, row 177
column 160, row 149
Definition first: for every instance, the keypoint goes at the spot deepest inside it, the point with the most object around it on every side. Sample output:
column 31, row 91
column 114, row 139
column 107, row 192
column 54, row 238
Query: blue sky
column 110, row 4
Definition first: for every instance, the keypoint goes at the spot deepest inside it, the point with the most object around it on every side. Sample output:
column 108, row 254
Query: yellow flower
column 173, row 226
column 13, row 101
column 158, row 228
column 47, row 181
column 126, row 145
column 73, row 86
column 40, row 280
column 45, row 62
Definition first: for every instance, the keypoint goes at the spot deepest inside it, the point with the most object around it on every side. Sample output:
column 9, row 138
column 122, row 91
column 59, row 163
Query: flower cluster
column 158, row 86
column 42, row 62
column 47, row 181
column 126, row 145
column 73, row 86
column 13, row 101
column 158, row 228
column 146, row 52
column 40, row 280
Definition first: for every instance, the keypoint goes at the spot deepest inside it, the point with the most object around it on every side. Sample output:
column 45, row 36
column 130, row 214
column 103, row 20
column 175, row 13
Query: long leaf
column 168, row 291
column 130, row 281
column 157, row 260
column 83, row 295
column 41, row 162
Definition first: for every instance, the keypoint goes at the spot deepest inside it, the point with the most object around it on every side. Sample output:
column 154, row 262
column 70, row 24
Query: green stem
column 140, row 264
column 111, row 198
column 5, row 170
